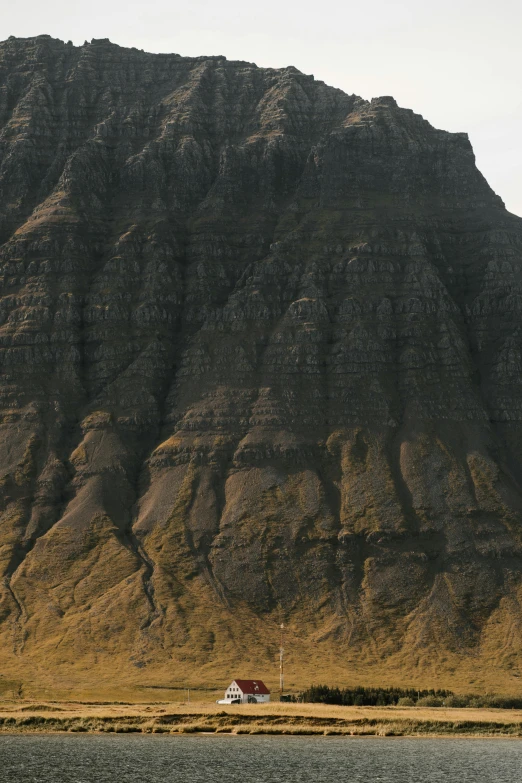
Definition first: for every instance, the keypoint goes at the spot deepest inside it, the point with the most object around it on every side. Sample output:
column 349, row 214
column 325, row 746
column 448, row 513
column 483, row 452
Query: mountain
column 260, row 362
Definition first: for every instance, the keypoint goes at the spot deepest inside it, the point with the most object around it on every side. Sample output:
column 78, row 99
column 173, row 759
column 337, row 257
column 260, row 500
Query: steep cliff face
column 260, row 358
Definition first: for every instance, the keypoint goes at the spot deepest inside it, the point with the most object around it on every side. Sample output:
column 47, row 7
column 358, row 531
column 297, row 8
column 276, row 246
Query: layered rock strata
column 260, row 358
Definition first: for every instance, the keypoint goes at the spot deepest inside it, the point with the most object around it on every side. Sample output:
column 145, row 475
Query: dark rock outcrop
column 260, row 357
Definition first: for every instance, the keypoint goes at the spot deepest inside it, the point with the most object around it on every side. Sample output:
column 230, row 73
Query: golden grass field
column 274, row 718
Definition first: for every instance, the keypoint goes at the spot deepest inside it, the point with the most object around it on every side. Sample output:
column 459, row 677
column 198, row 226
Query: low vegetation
column 225, row 723
column 383, row 697
column 270, row 719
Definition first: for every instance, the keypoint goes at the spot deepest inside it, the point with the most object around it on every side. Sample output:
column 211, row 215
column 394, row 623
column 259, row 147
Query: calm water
column 160, row 759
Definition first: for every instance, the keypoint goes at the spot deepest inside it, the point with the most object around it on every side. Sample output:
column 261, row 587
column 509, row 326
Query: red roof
column 252, row 686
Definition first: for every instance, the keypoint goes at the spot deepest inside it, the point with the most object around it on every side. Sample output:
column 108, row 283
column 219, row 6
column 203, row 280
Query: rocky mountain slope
column 260, row 360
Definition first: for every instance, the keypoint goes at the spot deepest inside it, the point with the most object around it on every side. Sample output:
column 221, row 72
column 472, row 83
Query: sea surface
column 210, row 759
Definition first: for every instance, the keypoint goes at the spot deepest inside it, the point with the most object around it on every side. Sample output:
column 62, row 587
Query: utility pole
column 281, row 670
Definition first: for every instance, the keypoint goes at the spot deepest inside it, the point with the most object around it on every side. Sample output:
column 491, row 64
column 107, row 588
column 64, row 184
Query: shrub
column 429, row 701
column 456, row 701
column 371, row 697
column 405, row 701
column 504, row 702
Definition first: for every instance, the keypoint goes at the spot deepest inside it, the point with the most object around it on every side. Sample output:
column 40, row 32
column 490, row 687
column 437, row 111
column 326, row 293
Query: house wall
column 258, row 697
column 232, row 692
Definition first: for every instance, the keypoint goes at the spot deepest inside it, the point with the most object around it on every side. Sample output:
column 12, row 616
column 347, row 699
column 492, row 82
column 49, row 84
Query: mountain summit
column 260, row 360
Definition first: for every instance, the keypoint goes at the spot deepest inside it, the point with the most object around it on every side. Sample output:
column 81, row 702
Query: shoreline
column 274, row 735
column 274, row 719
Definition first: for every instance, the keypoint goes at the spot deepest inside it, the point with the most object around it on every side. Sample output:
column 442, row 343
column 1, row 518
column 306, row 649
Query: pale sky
column 456, row 62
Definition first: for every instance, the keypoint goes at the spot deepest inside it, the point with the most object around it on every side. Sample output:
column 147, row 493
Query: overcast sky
column 456, row 62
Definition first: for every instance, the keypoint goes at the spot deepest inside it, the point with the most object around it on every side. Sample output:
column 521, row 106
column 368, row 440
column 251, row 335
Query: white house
column 247, row 691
